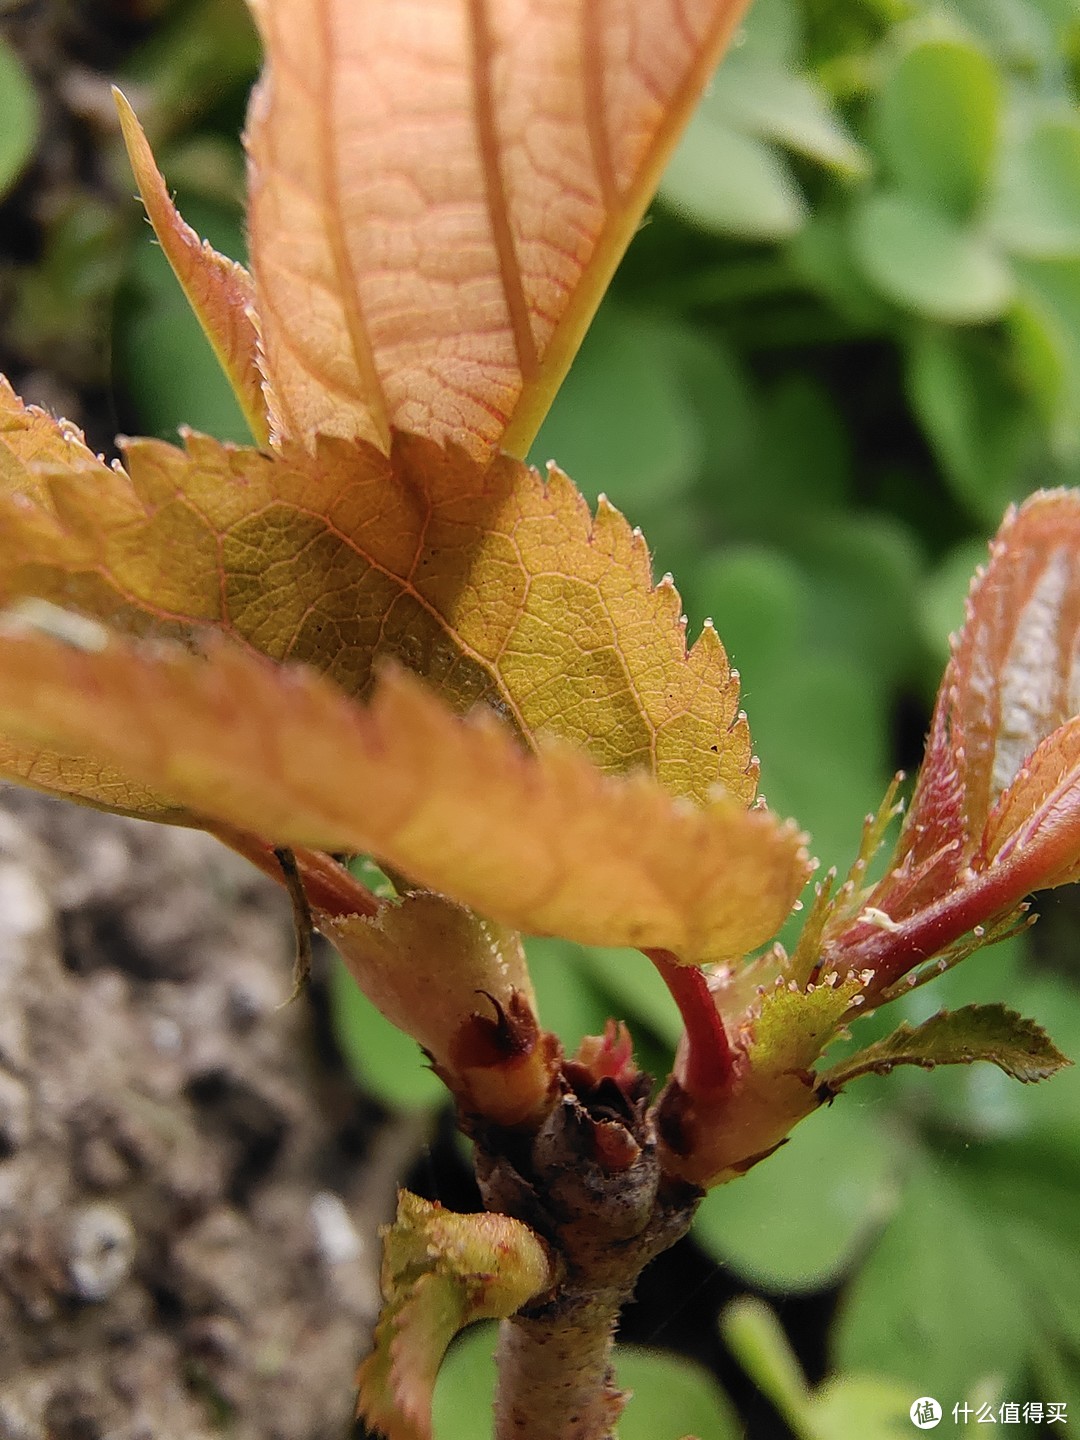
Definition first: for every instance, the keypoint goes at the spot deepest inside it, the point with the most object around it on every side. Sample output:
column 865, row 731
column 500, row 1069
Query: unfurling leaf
column 219, row 290
column 441, row 1271
column 1035, row 825
column 424, row 958
column 543, row 843
column 996, row 811
column 495, row 584
column 459, row 985
column 958, row 1037
column 436, row 206
column 1010, row 684
column 1015, row 674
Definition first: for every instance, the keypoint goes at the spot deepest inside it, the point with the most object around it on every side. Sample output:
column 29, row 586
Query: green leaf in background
column 632, row 984
column 803, row 464
column 1038, row 1226
column 859, row 1407
column 1049, row 343
column 821, row 254
column 821, row 637
column 622, row 423
column 923, row 260
column 757, row 1340
column 773, row 31
column 938, row 117
column 1050, row 1115
column 773, row 459
column 985, row 435
column 1030, row 36
column 760, row 97
column 820, row 730
column 843, row 1407
column 164, row 359
column 567, row 1000
column 672, row 1397
column 817, row 713
column 759, row 600
column 1036, row 209
column 19, row 117
column 385, row 1061
column 864, row 572
column 941, row 603
column 796, row 1221
column 207, row 48
column 936, row 1303
column 731, row 183
column 1017, row 1046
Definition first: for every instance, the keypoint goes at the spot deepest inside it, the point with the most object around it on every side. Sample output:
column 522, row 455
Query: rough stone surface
column 187, row 1237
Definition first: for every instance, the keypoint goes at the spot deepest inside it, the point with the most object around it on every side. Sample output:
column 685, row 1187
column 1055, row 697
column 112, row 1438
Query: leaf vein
column 487, row 143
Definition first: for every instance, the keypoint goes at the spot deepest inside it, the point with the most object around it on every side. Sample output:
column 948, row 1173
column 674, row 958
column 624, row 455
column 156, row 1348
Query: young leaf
column 1035, row 826
column 440, row 1272
column 547, row 844
column 219, row 290
column 436, row 209
column 495, row 584
column 1014, row 677
column 711, row 1138
column 958, row 1037
column 403, row 954
column 460, row 986
column 996, row 811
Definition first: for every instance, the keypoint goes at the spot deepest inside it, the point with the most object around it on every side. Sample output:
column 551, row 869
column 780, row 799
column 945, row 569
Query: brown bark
column 589, row 1182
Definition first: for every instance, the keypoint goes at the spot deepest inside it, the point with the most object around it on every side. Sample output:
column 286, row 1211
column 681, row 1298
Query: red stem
column 709, row 1058
column 329, row 887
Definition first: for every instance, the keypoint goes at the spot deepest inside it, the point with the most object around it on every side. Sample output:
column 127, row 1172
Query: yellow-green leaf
column 426, row 963
column 436, row 209
column 780, row 1037
column 441, row 1271
column 495, row 584
column 958, row 1037
column 544, row 843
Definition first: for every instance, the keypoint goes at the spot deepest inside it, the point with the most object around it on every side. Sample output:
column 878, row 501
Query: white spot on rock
column 100, row 1251
column 336, row 1238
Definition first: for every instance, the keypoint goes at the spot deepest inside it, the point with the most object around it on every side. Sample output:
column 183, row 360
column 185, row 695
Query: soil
column 187, row 1201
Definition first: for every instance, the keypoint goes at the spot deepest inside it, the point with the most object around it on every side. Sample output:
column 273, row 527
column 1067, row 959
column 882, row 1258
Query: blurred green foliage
column 19, row 120
column 848, row 337
column 853, row 1406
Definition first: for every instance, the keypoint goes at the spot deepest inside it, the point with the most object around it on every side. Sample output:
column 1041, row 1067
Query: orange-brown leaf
column 83, row 778
column 495, row 584
column 437, row 203
column 1035, row 826
column 219, row 290
column 543, row 843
